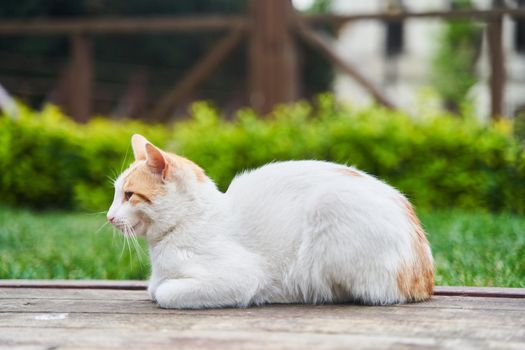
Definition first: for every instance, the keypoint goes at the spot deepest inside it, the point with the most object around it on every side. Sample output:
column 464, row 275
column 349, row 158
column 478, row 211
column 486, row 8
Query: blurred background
column 150, row 59
column 428, row 95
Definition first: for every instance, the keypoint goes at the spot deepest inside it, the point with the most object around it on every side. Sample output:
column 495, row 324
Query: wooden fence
column 271, row 28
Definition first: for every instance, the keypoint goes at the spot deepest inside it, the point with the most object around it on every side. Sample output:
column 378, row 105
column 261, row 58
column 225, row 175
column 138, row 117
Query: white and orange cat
column 288, row 232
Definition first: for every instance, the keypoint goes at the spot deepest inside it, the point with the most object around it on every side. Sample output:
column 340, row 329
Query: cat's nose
column 111, row 219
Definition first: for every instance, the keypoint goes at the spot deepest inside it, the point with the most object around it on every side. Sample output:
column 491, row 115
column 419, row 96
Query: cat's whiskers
column 138, row 248
column 129, row 253
column 101, row 227
column 126, row 235
column 130, row 239
column 123, row 245
column 133, row 238
column 113, row 235
column 112, row 179
column 122, row 250
column 97, row 213
column 125, row 160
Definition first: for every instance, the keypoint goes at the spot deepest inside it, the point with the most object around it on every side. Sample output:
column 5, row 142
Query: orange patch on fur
column 181, row 161
column 143, row 184
column 415, row 280
column 348, row 171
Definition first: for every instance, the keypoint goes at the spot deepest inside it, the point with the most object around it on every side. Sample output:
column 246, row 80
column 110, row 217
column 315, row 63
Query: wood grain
column 44, row 318
column 494, row 292
column 75, row 284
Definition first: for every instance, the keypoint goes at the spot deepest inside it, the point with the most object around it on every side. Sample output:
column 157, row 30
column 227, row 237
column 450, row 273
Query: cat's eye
column 127, row 195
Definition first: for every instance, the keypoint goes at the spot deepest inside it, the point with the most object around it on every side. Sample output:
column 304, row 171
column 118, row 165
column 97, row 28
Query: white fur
column 289, row 232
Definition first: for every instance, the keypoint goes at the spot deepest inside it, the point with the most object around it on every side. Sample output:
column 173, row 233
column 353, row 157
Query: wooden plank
column 493, row 292
column 75, row 284
column 482, row 325
column 197, row 75
column 72, row 294
column 58, row 300
column 121, row 25
column 165, row 338
column 443, row 323
column 322, row 44
column 275, row 312
column 326, row 318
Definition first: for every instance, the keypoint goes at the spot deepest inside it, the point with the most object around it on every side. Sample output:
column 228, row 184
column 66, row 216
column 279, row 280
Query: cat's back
column 281, row 197
column 301, row 177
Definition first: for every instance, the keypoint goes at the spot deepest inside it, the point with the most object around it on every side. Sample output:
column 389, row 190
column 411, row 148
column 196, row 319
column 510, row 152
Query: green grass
column 477, row 249
column 473, row 249
column 64, row 245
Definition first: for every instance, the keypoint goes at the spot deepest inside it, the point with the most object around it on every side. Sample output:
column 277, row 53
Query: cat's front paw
column 166, row 297
column 152, row 288
column 177, row 294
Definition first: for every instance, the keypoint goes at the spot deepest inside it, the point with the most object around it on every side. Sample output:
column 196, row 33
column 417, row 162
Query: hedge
column 438, row 160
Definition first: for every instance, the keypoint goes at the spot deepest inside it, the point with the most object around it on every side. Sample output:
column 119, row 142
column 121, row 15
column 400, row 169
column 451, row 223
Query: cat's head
column 157, row 190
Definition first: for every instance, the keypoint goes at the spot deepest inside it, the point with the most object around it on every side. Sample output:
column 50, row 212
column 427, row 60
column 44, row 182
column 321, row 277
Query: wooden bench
column 119, row 315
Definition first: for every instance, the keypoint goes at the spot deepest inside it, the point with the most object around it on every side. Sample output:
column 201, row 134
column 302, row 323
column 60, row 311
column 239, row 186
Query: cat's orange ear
column 138, row 143
column 156, row 161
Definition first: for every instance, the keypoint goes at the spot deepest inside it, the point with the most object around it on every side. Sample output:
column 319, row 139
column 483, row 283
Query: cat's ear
column 156, row 161
column 138, row 143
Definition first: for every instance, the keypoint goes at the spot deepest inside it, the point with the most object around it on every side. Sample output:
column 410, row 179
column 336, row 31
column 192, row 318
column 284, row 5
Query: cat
column 288, row 232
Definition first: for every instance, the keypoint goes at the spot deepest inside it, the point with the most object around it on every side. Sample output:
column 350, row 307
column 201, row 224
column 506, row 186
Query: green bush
column 438, row 161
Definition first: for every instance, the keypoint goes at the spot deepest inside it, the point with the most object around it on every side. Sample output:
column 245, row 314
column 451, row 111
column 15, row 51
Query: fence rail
column 271, row 27
column 130, row 25
column 119, row 25
column 480, row 15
